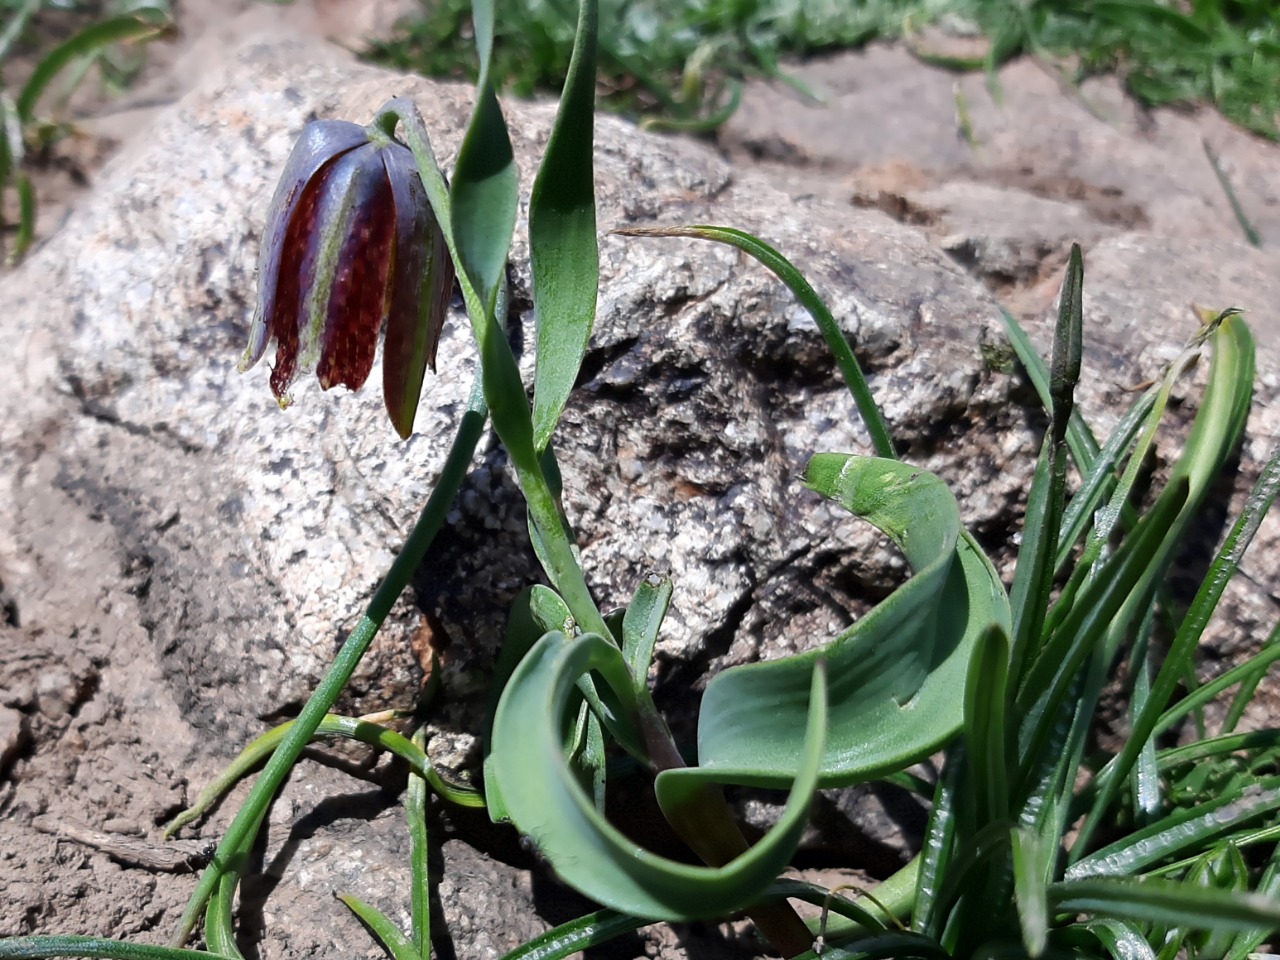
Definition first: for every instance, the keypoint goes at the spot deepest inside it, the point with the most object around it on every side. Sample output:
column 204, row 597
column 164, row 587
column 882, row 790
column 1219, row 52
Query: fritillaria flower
column 351, row 244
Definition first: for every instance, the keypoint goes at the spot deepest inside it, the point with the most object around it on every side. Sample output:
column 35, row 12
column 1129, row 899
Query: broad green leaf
column 641, row 623
column 587, row 852
column 388, row 934
column 1164, row 901
column 785, row 271
column 897, row 675
column 563, row 252
column 485, row 180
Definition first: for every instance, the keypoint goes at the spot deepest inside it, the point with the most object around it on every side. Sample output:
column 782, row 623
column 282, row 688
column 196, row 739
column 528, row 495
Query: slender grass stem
column 239, row 835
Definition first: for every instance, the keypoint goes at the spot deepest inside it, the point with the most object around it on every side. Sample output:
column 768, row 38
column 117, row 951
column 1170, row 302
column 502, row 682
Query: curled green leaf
column 897, row 675
column 546, row 801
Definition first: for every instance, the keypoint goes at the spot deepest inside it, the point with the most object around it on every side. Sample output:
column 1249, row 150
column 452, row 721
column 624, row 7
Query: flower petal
column 348, row 297
column 421, row 288
column 321, row 143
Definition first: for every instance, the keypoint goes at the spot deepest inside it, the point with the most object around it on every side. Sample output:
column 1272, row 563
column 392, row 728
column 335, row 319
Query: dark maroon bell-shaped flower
column 351, row 243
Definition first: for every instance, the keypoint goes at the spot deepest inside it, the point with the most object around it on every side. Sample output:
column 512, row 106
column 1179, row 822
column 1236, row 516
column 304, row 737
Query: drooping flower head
column 350, row 244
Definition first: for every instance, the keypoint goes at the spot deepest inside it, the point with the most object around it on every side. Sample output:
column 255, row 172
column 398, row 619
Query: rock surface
column 180, row 558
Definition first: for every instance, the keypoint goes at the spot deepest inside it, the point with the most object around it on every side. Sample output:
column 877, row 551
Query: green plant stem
column 239, row 835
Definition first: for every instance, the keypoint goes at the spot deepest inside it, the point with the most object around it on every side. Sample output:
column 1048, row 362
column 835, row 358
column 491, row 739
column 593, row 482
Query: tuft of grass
column 681, row 58
column 55, row 45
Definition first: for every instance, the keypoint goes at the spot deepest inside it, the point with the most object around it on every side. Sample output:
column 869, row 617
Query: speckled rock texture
column 180, row 558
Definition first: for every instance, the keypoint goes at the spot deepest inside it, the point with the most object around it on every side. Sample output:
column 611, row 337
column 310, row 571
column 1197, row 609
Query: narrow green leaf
column 859, row 913
column 17, row 25
column 331, row 725
column 1164, row 901
column 641, row 624
column 42, row 948
column 1180, row 834
column 897, row 675
column 549, row 610
column 1242, row 218
column 985, row 728
column 26, row 214
column 1124, row 941
column 219, row 922
column 1214, row 434
column 577, row 935
column 785, row 271
column 137, row 26
column 1148, row 795
column 1084, row 447
column 415, row 811
column 244, row 827
column 483, row 198
column 587, row 852
column 892, row 945
column 388, row 934
column 1029, row 884
column 929, row 914
column 1100, row 478
column 1260, row 662
column 1268, row 886
column 1044, row 691
column 1037, row 558
column 563, row 252
column 1248, row 688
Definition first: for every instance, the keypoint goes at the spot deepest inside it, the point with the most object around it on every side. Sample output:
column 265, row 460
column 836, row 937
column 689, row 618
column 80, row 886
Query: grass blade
column 577, row 935
column 1029, row 877
column 785, row 271
column 1242, row 218
column 641, row 624
column 142, row 25
column 1181, row 834
column 1163, row 901
column 1033, row 580
column 1217, row 426
column 415, row 811
column 985, row 729
column 43, row 948
column 388, row 934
